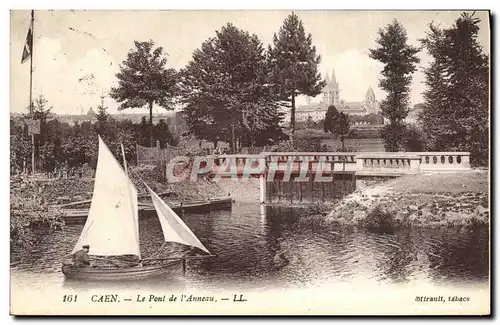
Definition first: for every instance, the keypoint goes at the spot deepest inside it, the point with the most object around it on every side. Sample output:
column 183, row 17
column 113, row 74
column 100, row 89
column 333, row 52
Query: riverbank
column 58, row 191
column 33, row 201
column 424, row 200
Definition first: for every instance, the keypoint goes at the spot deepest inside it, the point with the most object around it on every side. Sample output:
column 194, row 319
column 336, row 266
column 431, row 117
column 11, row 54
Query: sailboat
column 112, row 228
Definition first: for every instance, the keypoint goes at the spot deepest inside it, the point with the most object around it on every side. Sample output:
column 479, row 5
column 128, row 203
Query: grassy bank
column 439, row 200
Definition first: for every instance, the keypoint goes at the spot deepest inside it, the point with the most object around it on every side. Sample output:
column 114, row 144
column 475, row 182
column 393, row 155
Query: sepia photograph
column 250, row 162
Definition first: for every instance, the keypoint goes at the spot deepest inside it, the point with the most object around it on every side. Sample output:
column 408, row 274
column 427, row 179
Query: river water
column 260, row 248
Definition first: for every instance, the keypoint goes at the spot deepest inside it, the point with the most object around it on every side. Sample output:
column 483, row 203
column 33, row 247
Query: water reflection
column 259, row 247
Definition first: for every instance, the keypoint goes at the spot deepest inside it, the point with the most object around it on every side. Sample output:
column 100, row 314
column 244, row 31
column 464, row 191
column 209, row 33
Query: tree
column 399, row 61
column 337, row 123
column 162, row 133
column 342, row 127
column 456, row 112
column 309, row 122
column 102, row 125
column 294, row 64
column 225, row 88
column 143, row 132
column 272, row 133
column 144, row 80
column 413, row 140
column 41, row 111
column 328, row 124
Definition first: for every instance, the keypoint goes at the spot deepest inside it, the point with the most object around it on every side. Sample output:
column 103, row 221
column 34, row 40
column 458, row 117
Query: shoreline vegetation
column 33, row 202
column 423, row 201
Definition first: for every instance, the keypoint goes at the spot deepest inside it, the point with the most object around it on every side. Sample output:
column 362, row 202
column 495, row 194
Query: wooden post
column 270, row 191
column 158, row 151
column 311, row 188
column 262, row 187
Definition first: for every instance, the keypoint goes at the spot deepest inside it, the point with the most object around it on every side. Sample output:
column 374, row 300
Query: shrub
column 30, row 209
column 378, row 220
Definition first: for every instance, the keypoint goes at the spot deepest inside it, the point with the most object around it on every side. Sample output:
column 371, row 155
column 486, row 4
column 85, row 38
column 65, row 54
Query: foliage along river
column 257, row 250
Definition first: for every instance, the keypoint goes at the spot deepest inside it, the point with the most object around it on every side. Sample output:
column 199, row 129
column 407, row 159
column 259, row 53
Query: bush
column 378, row 220
column 29, row 209
column 414, row 139
column 283, row 146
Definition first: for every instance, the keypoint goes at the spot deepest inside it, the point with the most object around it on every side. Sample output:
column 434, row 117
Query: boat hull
column 174, row 267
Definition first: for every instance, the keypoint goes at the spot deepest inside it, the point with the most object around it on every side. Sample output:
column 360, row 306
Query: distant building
column 331, row 96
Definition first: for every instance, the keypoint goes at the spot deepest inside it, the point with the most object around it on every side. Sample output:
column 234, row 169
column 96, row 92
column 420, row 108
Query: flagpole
column 31, row 90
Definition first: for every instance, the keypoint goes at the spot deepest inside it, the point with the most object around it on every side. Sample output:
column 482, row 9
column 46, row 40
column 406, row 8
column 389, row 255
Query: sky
column 77, row 53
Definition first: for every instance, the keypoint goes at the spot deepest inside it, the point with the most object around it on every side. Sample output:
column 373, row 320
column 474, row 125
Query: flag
column 28, row 47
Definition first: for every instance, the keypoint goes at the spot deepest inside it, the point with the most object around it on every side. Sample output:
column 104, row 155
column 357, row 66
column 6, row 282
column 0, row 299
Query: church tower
column 370, row 101
column 331, row 91
column 334, row 90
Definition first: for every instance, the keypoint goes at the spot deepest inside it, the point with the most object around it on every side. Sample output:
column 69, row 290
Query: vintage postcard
column 272, row 162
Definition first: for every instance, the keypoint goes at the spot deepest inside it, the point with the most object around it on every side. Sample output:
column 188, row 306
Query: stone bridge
column 363, row 164
column 345, row 168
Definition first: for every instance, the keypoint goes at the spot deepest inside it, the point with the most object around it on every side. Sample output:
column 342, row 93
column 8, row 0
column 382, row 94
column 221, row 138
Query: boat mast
column 124, row 160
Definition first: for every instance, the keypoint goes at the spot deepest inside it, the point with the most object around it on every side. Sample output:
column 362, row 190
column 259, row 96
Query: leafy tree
column 456, row 112
column 294, row 64
column 225, row 88
column 20, row 152
column 126, row 135
column 143, row 132
column 47, row 156
column 328, row 124
column 270, row 135
column 414, row 139
column 162, row 133
column 144, row 80
column 399, row 61
column 337, row 123
column 342, row 127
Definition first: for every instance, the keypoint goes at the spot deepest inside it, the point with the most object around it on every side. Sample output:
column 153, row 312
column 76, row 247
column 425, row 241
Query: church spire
column 333, row 82
column 369, row 93
column 327, row 78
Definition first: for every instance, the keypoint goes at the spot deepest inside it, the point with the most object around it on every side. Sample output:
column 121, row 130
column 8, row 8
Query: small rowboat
column 112, row 227
column 173, row 267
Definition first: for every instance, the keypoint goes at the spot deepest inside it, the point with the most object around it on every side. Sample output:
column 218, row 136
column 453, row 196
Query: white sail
column 112, row 226
column 174, row 229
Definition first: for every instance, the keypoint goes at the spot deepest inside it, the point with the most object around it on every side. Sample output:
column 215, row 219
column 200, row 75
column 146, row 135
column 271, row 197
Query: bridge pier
column 262, row 188
column 314, row 189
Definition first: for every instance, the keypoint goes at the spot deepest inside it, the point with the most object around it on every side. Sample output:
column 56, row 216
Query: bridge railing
column 363, row 163
column 442, row 161
column 329, row 161
column 387, row 163
column 223, row 163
